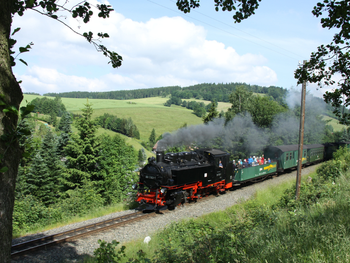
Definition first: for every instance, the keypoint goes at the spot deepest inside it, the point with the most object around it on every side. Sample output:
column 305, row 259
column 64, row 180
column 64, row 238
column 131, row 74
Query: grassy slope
column 336, row 125
column 147, row 113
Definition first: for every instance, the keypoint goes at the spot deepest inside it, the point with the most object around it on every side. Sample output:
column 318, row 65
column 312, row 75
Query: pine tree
column 53, row 119
column 65, row 122
column 43, row 176
column 82, row 152
column 141, row 156
column 118, row 162
column 152, row 138
column 66, row 130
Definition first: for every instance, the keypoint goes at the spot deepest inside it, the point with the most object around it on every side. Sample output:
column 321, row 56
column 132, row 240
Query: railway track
column 55, row 239
column 41, row 243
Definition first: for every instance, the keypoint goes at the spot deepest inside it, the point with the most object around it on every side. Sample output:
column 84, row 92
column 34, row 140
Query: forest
column 65, row 174
column 205, row 91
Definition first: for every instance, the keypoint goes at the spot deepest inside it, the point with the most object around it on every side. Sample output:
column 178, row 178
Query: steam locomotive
column 172, row 179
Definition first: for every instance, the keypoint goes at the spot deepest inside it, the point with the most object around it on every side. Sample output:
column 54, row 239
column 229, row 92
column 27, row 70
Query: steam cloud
column 242, row 135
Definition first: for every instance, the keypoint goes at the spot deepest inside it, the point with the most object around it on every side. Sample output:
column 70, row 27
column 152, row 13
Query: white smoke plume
column 241, row 135
column 239, row 131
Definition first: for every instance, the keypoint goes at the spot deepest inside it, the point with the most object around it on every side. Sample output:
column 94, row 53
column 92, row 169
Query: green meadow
column 335, row 124
column 146, row 113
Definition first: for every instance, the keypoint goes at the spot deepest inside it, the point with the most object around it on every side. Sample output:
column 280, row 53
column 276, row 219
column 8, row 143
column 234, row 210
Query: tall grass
column 98, row 212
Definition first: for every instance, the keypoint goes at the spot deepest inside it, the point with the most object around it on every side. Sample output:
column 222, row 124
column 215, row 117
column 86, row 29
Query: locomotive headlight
column 163, row 190
column 134, row 186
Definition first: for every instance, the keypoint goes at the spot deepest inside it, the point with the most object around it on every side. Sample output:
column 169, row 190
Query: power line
column 230, row 33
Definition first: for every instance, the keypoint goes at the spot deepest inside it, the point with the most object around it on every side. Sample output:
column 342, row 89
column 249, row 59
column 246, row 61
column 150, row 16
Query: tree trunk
column 10, row 89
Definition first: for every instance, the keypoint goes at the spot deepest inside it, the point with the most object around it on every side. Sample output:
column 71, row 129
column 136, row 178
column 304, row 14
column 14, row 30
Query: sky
column 162, row 46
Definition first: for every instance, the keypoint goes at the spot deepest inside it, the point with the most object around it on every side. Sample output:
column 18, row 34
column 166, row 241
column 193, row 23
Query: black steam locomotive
column 173, row 178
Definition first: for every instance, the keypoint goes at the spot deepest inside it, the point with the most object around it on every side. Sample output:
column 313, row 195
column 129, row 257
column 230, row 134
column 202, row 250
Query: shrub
column 30, row 212
column 80, row 201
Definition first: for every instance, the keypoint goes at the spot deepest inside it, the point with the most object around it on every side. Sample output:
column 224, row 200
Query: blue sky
column 161, row 46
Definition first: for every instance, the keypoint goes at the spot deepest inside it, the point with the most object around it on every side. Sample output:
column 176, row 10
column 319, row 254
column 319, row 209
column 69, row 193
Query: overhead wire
column 231, row 33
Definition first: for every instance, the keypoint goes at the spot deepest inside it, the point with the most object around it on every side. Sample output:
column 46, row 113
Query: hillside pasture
column 146, row 113
column 334, row 123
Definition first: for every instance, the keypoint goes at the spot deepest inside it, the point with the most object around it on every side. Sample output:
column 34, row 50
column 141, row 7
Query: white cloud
column 47, row 80
column 163, row 51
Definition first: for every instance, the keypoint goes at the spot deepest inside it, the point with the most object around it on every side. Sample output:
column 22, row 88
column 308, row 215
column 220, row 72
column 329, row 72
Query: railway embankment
column 210, row 221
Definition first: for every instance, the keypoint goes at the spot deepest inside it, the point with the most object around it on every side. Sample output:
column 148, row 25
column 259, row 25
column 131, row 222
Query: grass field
column 336, row 125
column 146, row 113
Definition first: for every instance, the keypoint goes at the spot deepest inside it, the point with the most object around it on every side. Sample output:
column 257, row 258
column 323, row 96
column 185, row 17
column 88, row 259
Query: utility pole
column 301, row 139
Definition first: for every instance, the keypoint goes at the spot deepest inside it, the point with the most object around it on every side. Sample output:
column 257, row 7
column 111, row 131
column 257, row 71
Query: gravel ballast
column 76, row 250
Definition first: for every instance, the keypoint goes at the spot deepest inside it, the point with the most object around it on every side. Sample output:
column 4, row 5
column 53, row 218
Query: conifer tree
column 65, row 122
column 152, row 138
column 142, row 156
column 66, row 130
column 43, row 176
column 118, row 162
column 82, row 152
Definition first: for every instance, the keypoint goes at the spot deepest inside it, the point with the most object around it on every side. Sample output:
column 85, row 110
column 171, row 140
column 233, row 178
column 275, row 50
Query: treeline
column 123, row 126
column 64, row 174
column 49, row 106
column 205, row 91
column 120, row 94
column 199, row 108
column 32, row 93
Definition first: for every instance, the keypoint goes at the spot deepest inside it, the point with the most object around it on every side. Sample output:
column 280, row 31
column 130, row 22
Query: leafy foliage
column 49, row 106
column 118, row 162
column 54, row 9
column 332, row 59
column 123, row 126
column 205, row 91
column 107, row 252
column 212, row 112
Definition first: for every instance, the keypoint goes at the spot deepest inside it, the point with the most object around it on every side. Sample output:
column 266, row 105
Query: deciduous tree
column 212, row 112
column 329, row 65
column 11, row 94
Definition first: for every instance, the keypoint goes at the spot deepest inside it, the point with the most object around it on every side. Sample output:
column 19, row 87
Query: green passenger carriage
column 286, row 156
column 315, row 152
column 255, row 172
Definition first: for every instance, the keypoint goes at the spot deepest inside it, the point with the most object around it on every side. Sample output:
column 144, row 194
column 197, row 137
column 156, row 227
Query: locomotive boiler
column 173, row 178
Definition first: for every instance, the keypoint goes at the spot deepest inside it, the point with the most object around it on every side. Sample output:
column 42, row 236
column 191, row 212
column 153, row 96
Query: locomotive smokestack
column 160, row 156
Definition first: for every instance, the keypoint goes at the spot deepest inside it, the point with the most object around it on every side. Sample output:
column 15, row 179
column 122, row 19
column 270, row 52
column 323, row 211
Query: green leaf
column 4, row 169
column 16, row 30
column 25, row 63
column 23, row 49
column 26, row 154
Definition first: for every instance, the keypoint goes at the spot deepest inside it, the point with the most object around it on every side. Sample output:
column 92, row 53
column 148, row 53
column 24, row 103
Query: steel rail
column 39, row 243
